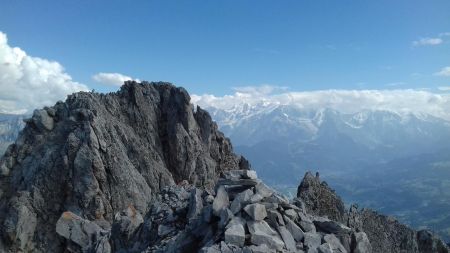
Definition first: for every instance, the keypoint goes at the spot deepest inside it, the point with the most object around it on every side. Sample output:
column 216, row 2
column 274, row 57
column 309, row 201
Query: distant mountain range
column 10, row 125
column 395, row 163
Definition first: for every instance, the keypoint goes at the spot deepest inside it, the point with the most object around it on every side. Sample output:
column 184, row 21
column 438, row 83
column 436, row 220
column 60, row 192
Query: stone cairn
column 242, row 214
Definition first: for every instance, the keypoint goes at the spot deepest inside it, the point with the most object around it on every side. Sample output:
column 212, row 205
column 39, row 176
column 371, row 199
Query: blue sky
column 213, row 46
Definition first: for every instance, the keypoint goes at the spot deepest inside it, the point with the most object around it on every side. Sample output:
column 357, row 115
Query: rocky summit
column 142, row 170
column 95, row 155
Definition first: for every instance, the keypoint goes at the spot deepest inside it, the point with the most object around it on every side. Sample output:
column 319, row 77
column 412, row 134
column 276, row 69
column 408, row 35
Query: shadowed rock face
column 97, row 154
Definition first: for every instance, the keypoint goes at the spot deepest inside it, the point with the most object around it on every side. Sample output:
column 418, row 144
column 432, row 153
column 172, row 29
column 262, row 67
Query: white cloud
column 114, row 79
column 428, row 42
column 401, row 101
column 28, row 82
column 445, row 71
column 444, row 88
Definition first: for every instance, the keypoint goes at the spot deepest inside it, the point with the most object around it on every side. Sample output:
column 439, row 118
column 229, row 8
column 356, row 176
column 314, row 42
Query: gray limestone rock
column 235, row 233
column 255, row 198
column 240, row 174
column 256, row 211
column 287, row 238
column 225, row 216
column 334, row 242
column 262, row 233
column 195, row 203
column 43, row 120
column 277, row 199
column 360, row 243
column 241, row 182
column 241, row 200
column 312, row 240
column 274, row 218
column 307, row 226
column 263, row 190
column 331, row 227
column 221, row 201
column 291, row 213
column 21, row 223
column 295, row 230
column 325, row 248
column 124, row 227
column 260, row 248
column 86, row 234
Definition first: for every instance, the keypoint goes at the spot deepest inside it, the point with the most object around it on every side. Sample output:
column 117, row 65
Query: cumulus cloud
column 114, row 79
column 401, row 101
column 428, row 42
column 445, row 71
column 28, row 82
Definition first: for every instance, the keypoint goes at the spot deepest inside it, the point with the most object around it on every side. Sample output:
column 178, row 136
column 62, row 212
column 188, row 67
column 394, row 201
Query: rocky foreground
column 242, row 215
column 140, row 170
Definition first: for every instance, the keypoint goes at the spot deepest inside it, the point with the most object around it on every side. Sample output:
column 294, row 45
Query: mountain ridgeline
column 142, row 170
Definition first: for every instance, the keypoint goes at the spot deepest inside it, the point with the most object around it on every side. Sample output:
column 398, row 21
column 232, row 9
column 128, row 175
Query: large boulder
column 85, row 236
column 235, row 232
column 256, row 211
column 262, row 233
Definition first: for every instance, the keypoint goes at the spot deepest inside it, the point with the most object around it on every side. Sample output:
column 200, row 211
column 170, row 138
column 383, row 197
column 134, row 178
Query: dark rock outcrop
column 384, row 233
column 320, row 199
column 97, row 154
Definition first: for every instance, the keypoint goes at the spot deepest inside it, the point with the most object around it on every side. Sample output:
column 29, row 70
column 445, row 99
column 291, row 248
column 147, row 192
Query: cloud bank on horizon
column 400, row 101
column 28, row 82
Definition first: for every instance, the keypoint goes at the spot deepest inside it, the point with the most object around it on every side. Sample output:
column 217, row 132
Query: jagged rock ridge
column 385, row 233
column 96, row 154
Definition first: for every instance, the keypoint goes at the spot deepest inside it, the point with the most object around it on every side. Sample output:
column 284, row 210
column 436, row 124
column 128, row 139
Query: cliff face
column 97, row 154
